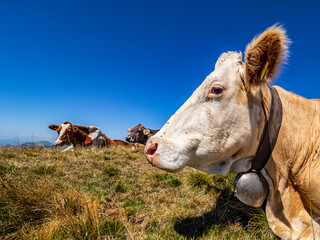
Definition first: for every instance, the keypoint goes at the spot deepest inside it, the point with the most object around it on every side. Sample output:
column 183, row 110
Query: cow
column 73, row 135
column 236, row 122
column 140, row 134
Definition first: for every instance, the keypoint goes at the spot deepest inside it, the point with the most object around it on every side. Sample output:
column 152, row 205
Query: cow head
column 138, row 134
column 65, row 133
column 217, row 130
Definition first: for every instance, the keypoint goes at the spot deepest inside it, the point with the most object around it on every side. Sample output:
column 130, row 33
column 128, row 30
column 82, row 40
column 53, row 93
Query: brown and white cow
column 70, row 134
column 140, row 134
column 220, row 127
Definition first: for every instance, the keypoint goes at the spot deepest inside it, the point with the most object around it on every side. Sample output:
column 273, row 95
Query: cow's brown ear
column 146, row 131
column 264, row 55
column 53, row 127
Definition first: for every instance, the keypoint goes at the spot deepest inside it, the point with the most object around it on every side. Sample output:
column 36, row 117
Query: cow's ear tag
column 146, row 131
column 265, row 68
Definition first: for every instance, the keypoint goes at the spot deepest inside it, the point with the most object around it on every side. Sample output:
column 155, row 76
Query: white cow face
column 220, row 124
column 213, row 125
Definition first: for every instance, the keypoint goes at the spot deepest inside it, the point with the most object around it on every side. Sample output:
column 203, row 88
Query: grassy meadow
column 114, row 193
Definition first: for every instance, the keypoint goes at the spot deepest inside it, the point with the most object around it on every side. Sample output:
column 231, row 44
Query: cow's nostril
column 150, row 148
column 150, row 153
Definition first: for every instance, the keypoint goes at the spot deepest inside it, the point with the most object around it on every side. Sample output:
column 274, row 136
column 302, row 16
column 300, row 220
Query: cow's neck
column 83, row 128
column 153, row 131
column 299, row 136
column 145, row 139
column 291, row 186
column 80, row 136
column 269, row 135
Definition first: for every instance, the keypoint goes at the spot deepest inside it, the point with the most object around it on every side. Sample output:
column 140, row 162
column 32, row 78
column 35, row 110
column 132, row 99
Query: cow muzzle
column 153, row 157
column 129, row 139
column 58, row 143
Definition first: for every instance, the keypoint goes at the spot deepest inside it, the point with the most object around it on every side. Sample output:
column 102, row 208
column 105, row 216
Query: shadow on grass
column 228, row 210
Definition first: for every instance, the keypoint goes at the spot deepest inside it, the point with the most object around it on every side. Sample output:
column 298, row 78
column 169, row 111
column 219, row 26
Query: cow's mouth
column 61, row 143
column 129, row 139
column 58, row 143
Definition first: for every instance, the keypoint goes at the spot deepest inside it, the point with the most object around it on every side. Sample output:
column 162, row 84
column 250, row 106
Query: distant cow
column 140, row 134
column 70, row 134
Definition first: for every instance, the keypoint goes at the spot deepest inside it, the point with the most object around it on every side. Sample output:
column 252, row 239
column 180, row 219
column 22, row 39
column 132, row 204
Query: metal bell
column 251, row 188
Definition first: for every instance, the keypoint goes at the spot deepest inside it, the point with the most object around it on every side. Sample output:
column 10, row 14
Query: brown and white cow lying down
column 220, row 127
column 140, row 134
column 73, row 135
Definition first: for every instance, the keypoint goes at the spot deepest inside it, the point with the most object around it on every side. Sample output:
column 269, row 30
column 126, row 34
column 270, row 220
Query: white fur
column 207, row 133
column 70, row 148
column 96, row 135
column 299, row 226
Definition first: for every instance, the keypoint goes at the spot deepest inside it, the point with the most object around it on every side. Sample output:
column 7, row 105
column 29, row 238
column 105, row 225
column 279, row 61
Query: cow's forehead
column 226, row 69
column 138, row 127
column 227, row 57
column 63, row 126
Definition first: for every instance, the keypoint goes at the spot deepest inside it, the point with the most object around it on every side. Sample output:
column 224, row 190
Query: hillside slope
column 115, row 194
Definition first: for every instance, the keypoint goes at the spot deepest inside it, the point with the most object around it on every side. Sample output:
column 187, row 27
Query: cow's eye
column 216, row 90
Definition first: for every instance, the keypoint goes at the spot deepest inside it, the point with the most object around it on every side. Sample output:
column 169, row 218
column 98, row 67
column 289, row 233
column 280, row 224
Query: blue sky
column 114, row 64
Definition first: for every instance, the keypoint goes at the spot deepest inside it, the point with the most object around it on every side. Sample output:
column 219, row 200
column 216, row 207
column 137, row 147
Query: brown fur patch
column 88, row 141
column 83, row 128
column 108, row 142
column 121, row 143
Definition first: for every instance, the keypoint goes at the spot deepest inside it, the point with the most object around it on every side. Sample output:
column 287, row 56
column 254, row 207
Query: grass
column 166, row 179
column 111, row 171
column 44, row 170
column 113, row 193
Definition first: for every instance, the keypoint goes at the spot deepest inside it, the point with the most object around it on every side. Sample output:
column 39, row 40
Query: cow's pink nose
column 149, row 151
column 151, row 148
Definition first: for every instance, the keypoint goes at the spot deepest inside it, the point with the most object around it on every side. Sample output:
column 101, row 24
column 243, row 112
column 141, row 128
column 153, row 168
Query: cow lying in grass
column 235, row 122
column 73, row 135
column 140, row 134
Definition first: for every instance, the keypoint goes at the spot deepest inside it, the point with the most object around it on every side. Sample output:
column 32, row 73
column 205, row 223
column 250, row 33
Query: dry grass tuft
column 113, row 193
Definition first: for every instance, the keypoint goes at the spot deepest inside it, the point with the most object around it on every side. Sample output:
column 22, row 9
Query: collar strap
column 270, row 131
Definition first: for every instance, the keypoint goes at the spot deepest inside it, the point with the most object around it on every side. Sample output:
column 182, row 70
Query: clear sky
column 114, row 64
